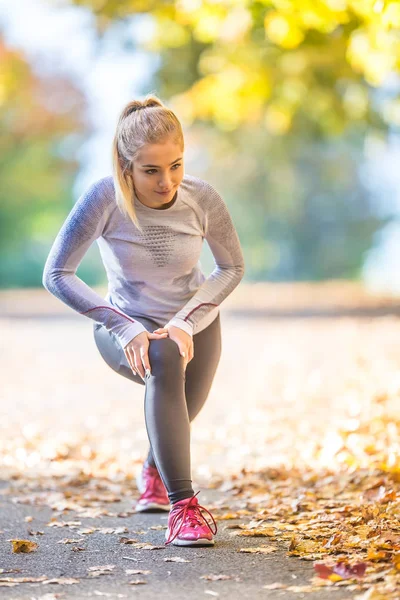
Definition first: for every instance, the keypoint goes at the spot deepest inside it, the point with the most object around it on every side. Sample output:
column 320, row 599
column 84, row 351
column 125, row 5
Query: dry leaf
column 137, row 572
column 145, row 546
column 23, row 546
column 101, row 570
column 16, row 580
column 340, row 570
column 56, row 523
column 255, row 533
column 259, row 549
column 215, row 577
column 62, row 581
column 113, row 530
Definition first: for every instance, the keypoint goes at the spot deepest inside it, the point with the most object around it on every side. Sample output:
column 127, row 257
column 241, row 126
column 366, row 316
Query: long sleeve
column 85, row 223
column 223, row 240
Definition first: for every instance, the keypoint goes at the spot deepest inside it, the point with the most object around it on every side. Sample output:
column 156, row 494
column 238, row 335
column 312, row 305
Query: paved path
column 62, row 410
column 175, row 580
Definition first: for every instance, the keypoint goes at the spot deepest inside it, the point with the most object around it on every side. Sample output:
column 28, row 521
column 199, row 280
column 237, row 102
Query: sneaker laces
column 192, row 514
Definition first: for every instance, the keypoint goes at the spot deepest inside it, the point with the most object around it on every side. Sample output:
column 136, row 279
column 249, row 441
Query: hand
column 182, row 339
column 136, row 351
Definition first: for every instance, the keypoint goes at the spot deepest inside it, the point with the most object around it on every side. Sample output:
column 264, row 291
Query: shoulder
column 200, row 191
column 99, row 196
column 101, row 190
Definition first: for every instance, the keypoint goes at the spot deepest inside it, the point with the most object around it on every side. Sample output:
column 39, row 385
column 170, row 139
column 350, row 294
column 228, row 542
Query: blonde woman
column 159, row 324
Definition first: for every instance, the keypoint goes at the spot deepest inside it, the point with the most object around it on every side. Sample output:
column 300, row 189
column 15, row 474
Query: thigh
column 201, row 369
column 112, row 352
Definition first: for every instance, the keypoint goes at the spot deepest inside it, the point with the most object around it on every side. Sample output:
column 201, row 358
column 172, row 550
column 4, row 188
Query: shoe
column 187, row 526
column 154, row 495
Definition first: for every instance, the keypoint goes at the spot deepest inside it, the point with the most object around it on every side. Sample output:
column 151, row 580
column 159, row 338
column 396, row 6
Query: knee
column 164, row 355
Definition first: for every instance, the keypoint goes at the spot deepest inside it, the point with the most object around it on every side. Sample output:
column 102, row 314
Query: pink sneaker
column 154, row 495
column 187, row 526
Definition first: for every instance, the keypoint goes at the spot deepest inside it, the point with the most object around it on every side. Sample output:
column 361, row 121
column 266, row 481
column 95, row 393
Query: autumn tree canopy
column 278, row 63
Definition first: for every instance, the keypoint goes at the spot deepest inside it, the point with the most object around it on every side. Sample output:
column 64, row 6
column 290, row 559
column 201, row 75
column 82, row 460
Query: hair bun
column 135, row 105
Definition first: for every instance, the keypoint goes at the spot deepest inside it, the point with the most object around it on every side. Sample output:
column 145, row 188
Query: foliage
column 41, row 123
column 272, row 62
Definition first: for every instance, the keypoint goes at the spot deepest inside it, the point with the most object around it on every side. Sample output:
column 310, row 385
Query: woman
column 159, row 324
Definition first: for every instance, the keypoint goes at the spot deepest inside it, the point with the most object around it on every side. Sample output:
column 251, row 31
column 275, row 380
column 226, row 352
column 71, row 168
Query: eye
column 151, row 171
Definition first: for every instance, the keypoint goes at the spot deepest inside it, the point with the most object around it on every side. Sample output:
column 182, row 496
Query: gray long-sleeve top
column 155, row 274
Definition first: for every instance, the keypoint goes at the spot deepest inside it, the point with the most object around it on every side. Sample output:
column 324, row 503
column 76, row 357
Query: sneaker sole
column 200, row 542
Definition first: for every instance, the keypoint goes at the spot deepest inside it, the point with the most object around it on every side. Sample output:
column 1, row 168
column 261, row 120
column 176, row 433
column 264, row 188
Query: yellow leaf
column 23, row 546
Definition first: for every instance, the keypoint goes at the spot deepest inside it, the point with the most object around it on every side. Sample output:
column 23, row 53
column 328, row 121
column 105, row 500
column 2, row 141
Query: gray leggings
column 172, row 397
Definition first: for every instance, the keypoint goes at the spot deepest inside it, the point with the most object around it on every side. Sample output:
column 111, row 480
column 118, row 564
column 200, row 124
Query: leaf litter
column 330, row 493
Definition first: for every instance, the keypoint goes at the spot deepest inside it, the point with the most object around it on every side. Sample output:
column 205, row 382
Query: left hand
column 182, row 339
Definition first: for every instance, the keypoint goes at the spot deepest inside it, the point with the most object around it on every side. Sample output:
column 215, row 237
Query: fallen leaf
column 259, row 549
column 340, row 570
column 137, row 572
column 62, row 581
column 215, row 577
column 274, row 586
column 255, row 533
column 16, row 580
column 101, row 570
column 145, row 546
column 23, row 546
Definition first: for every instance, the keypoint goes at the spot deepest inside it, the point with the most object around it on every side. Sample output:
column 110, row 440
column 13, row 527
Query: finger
column 138, row 365
column 157, row 336
column 185, row 360
column 145, row 361
column 131, row 361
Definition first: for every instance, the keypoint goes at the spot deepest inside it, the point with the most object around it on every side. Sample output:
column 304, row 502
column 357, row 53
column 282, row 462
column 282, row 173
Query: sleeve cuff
column 129, row 332
column 181, row 324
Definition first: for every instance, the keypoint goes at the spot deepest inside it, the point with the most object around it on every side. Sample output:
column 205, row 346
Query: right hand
column 136, row 351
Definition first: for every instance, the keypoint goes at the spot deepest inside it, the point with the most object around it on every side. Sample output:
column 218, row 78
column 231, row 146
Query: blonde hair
column 141, row 122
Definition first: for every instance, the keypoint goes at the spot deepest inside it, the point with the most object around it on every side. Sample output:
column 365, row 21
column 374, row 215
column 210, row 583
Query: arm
column 223, row 240
column 85, row 223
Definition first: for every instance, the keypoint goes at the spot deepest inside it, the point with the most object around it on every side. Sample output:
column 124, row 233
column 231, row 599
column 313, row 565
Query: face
column 158, row 172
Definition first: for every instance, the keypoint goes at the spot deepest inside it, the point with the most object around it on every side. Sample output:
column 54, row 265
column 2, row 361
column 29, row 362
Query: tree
column 42, row 121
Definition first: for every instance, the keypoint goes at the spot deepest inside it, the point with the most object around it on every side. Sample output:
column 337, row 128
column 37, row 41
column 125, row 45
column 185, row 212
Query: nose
column 165, row 184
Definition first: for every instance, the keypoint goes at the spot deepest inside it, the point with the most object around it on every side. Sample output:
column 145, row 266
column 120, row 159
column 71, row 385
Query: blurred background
column 290, row 108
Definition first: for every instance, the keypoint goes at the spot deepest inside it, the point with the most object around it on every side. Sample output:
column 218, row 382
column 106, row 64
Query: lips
column 164, row 193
